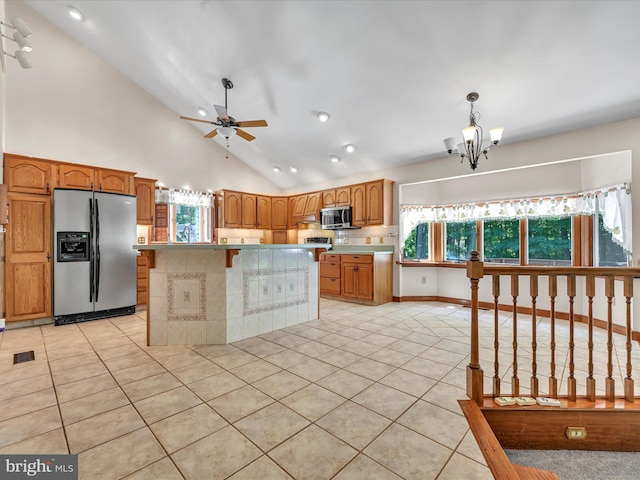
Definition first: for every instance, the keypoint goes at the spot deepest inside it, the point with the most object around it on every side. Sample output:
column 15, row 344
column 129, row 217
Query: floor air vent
column 23, row 357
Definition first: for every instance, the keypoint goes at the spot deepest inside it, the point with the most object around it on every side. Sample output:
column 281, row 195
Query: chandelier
column 471, row 148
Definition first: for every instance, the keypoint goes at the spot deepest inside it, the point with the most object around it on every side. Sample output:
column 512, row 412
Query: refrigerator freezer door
column 117, row 234
column 71, row 280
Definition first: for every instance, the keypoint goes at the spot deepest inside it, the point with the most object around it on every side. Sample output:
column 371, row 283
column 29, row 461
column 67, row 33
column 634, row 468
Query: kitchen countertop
column 234, row 246
column 361, row 249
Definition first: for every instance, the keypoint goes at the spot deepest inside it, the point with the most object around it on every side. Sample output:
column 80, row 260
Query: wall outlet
column 423, row 280
column 368, row 240
column 576, row 433
column 381, row 239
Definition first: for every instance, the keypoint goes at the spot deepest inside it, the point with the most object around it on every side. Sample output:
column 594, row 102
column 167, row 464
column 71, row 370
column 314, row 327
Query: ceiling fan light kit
column 471, row 148
column 21, row 32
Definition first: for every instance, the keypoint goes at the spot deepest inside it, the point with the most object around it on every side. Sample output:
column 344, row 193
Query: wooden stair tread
column 531, row 473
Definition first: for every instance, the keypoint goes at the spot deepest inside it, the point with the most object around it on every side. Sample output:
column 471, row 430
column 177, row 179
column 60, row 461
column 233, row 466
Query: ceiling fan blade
column 222, row 113
column 212, row 133
column 252, row 123
column 198, row 120
column 247, row 136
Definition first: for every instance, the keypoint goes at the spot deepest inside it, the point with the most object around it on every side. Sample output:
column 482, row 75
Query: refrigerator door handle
column 91, row 259
column 97, row 250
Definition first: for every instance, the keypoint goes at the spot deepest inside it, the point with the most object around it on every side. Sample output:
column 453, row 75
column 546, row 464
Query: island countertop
column 234, row 246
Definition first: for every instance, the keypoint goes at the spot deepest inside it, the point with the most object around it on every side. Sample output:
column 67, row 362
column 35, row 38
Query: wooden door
column 263, row 212
column 248, row 211
column 375, row 203
column 359, row 205
column 343, row 196
column 300, row 205
column 312, row 207
column 77, row 177
column 28, row 257
column 279, row 213
column 145, row 200
column 364, row 284
column 349, row 280
column 329, row 198
column 113, row 181
column 27, row 175
column 232, row 206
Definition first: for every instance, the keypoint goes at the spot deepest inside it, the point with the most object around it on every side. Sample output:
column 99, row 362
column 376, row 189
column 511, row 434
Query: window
column 549, row 241
column 190, row 224
column 501, row 241
column 416, row 247
column 461, row 240
column 607, row 253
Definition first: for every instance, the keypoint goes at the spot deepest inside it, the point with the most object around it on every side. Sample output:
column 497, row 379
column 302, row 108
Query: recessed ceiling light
column 293, row 169
column 203, row 112
column 323, row 116
column 186, row 187
column 350, row 148
column 160, row 184
column 334, row 158
column 209, row 190
column 75, row 13
column 276, row 168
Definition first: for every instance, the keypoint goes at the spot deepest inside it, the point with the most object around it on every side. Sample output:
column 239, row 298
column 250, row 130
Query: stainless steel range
column 325, row 240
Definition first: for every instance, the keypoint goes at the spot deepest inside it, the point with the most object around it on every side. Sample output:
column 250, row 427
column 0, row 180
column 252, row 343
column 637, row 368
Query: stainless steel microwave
column 335, row 218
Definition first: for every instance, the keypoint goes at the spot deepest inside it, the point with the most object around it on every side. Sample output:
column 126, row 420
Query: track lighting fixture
column 19, row 37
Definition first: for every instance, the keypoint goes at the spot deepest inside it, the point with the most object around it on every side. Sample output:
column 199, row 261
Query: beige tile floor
column 364, row 392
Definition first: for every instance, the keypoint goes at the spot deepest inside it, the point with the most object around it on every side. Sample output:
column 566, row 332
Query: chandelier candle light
column 472, row 147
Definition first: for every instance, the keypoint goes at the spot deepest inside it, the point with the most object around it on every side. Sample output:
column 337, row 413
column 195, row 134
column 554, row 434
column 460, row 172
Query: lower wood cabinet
column 362, row 278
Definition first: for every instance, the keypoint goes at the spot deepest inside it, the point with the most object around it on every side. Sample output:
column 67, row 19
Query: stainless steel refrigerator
column 94, row 270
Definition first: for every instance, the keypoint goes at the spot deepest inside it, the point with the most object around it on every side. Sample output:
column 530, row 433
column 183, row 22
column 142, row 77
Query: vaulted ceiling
column 393, row 75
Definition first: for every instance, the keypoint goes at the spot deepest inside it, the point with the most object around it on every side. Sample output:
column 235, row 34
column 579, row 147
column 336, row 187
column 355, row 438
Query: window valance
column 613, row 203
column 188, row 198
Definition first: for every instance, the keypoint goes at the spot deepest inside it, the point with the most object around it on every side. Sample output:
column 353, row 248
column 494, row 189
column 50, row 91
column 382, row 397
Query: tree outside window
column 549, row 241
column 502, row 241
column 461, row 240
column 416, row 247
column 609, row 253
column 187, row 224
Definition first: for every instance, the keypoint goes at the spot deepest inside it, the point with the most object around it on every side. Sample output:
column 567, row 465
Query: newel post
column 475, row 376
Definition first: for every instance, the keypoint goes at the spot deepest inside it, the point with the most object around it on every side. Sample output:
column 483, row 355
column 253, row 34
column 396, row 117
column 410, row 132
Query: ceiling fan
column 226, row 125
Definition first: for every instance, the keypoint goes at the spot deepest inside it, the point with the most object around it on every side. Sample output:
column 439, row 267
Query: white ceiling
column 393, row 75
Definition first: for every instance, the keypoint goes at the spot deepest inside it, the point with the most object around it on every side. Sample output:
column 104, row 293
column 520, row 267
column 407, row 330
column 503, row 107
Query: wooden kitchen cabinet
column 330, row 274
column 231, row 209
column 312, row 206
column 357, row 276
column 142, row 280
column 248, row 211
column 279, row 206
column 372, row 203
column 28, row 175
column 28, row 257
column 114, row 181
column 360, row 278
column 77, row 177
column 263, row 212
column 145, row 189
column 336, row 197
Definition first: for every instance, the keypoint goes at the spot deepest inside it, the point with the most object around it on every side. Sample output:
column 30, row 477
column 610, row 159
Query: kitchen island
column 215, row 294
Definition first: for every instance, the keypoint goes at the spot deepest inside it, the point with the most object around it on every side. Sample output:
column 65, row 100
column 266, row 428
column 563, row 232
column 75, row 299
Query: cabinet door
column 375, row 203
column 349, row 280
column 145, row 200
column 312, row 207
column 232, row 204
column 364, row 284
column 77, row 177
column 142, row 281
column 300, row 205
column 359, row 204
column 329, row 198
column 248, row 211
column 263, row 215
column 343, row 196
column 279, row 213
column 28, row 265
column 113, row 181
column 28, row 176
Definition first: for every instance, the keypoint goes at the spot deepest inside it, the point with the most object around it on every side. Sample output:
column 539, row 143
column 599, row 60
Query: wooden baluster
column 591, row 382
column 475, row 375
column 533, row 282
column 553, row 292
column 609, row 383
column 496, row 343
column 628, row 381
column 515, row 381
column 571, row 381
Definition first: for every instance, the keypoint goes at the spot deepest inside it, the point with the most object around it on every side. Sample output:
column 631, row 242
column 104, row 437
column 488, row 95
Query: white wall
column 72, row 106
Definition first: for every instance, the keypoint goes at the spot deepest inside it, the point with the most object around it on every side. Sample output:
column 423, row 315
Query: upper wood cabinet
column 28, row 257
column 336, row 197
column 372, row 203
column 279, row 213
column 264, row 212
column 248, row 211
column 329, row 198
column 231, row 209
column 312, row 207
column 76, row 176
column 299, row 205
column 27, row 175
column 145, row 189
column 114, row 181
column 359, row 205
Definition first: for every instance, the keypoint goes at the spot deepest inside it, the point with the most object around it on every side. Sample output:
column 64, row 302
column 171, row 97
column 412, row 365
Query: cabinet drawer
column 330, row 269
column 330, row 285
column 330, row 257
column 357, row 258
